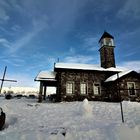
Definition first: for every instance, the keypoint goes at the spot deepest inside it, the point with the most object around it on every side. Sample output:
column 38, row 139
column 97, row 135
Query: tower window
column 108, row 42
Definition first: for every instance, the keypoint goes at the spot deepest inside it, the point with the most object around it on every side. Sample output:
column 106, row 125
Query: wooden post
column 40, row 92
column 119, row 95
column 44, row 97
column 3, row 79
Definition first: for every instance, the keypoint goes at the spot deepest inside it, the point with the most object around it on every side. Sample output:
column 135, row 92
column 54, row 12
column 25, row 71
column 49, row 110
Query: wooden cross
column 3, row 79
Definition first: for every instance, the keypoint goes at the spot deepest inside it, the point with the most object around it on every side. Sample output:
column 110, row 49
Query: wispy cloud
column 5, row 43
column 23, row 41
column 129, row 34
column 90, row 43
column 79, row 59
column 130, row 9
column 38, row 26
column 38, row 65
column 22, row 79
column 32, row 24
column 16, row 28
column 4, row 17
column 73, row 55
column 72, row 50
column 131, row 53
column 17, row 62
column 133, row 65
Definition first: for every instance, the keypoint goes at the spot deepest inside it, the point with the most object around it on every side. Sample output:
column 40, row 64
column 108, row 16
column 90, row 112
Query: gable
column 121, row 75
column 46, row 75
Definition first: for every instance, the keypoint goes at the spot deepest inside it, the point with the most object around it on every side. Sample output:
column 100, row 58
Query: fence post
column 119, row 95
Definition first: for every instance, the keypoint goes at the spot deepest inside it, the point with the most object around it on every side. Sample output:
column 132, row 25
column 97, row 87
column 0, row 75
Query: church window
column 70, row 87
column 131, row 88
column 97, row 89
column 83, row 88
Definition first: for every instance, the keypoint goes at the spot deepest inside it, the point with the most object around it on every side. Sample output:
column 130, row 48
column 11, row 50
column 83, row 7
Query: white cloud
column 22, row 41
column 130, row 9
column 18, row 62
column 35, row 23
column 38, row 26
column 79, row 59
column 3, row 15
column 27, row 78
column 16, row 28
column 132, row 53
column 129, row 34
column 22, row 80
column 90, row 43
column 132, row 65
column 40, row 22
column 72, row 50
column 4, row 42
column 38, row 65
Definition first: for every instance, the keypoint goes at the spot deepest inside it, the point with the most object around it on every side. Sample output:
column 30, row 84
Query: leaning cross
column 3, row 79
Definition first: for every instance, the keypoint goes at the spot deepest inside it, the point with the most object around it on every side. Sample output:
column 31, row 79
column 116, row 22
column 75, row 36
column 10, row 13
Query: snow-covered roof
column 79, row 66
column 46, row 75
column 116, row 76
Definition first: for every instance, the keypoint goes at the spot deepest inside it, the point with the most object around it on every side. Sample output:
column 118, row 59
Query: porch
column 46, row 79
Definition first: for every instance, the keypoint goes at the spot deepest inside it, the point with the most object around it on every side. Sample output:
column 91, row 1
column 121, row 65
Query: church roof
column 106, row 34
column 78, row 66
column 46, row 75
column 117, row 76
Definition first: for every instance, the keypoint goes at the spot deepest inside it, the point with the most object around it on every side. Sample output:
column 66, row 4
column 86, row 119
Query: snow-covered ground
column 28, row 120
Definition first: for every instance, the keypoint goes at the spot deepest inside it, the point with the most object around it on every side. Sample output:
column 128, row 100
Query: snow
column 86, row 109
column 85, row 67
column 126, row 133
column 45, row 75
column 115, row 77
column 28, row 120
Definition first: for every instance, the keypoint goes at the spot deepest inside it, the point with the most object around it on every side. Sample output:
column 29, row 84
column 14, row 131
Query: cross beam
column 8, row 80
column 3, row 79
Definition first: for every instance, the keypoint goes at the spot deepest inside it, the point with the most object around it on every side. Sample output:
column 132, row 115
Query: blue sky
column 35, row 33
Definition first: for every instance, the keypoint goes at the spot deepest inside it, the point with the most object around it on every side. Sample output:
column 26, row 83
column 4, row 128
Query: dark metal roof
column 106, row 34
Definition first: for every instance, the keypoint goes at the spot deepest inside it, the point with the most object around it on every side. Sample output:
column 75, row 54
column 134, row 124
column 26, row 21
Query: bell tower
column 106, row 50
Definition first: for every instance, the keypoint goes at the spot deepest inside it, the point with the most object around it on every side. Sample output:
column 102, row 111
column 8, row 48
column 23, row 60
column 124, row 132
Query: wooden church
column 75, row 82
